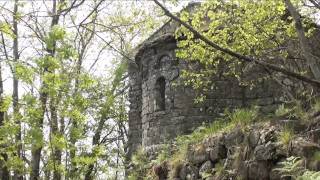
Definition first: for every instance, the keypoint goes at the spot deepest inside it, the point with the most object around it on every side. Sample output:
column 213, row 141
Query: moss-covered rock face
column 230, row 151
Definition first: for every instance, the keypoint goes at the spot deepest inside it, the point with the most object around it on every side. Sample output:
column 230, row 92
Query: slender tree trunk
column 36, row 150
column 95, row 141
column 4, row 173
column 55, row 132
column 15, row 94
column 312, row 60
column 73, row 140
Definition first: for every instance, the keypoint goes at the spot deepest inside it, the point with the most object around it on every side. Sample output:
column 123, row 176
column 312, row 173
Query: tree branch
column 241, row 57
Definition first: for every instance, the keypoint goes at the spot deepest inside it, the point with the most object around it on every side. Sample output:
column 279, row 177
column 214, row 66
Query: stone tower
column 160, row 110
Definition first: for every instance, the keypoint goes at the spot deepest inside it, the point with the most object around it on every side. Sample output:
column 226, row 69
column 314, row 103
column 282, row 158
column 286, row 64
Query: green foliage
column 243, row 117
column 141, row 165
column 58, row 141
column 57, row 33
column 220, row 170
column 309, row 175
column 5, row 103
column 253, row 28
column 293, row 110
column 163, row 154
column 286, row 136
column 6, row 29
column 176, row 154
column 282, row 110
column 68, row 105
column 49, row 63
column 291, row 167
column 24, row 73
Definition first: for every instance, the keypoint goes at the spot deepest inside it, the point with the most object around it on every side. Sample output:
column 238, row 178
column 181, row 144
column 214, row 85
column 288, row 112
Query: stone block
column 217, row 152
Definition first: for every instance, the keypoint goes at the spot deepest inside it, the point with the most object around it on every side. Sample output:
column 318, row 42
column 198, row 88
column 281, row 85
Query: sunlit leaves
column 58, row 141
column 48, row 62
column 24, row 73
column 35, row 137
column 248, row 27
column 57, row 33
column 66, row 51
column 86, row 81
column 6, row 29
column 5, row 103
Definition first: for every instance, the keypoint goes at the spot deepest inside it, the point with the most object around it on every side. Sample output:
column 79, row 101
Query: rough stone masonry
column 160, row 110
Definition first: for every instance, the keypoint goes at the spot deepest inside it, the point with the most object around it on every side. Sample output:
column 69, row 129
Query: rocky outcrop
column 251, row 153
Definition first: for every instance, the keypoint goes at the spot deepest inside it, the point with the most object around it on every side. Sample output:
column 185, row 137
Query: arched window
column 159, row 92
column 163, row 62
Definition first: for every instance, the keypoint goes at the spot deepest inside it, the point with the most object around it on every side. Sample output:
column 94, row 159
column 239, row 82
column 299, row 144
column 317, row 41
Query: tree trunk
column 4, row 173
column 36, row 150
column 55, row 132
column 95, row 141
column 15, row 94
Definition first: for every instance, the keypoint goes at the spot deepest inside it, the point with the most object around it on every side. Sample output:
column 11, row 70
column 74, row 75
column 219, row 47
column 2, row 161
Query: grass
column 176, row 155
column 293, row 110
column 283, row 111
column 242, row 117
column 286, row 136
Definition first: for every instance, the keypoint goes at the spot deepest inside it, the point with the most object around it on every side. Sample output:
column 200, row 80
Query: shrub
column 309, row 175
column 286, row 136
column 293, row 110
column 291, row 167
column 283, row 111
column 141, row 165
column 243, row 117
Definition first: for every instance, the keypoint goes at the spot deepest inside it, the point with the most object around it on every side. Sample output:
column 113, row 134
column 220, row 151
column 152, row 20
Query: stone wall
column 251, row 153
column 150, row 126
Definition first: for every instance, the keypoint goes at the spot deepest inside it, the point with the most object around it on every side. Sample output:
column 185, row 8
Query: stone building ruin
column 161, row 110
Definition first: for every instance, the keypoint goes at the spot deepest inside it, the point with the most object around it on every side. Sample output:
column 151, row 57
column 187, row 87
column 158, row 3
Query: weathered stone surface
column 253, row 138
column 213, row 141
column 218, row 152
column 253, row 156
column 189, row 172
column 302, row 148
column 296, row 124
column 258, row 170
column 205, row 168
column 161, row 171
column 234, row 137
column 198, row 155
column 315, row 135
column 267, row 135
column 265, row 152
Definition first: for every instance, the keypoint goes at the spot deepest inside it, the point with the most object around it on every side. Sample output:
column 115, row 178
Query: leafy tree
column 226, row 38
column 65, row 116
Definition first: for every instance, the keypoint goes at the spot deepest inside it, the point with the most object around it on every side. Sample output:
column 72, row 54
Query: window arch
column 163, row 62
column 159, row 94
